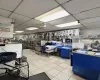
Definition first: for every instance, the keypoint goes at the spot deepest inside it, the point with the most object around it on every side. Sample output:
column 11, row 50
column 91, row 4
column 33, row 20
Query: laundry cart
column 19, row 70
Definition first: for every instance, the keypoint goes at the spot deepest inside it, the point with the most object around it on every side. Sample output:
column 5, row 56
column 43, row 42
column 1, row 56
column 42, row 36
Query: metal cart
column 20, row 70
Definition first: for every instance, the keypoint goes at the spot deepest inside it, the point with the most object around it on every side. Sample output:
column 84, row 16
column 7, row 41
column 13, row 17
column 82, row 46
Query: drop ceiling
column 24, row 12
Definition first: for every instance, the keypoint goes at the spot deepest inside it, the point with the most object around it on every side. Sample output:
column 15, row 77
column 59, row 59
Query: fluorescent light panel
column 53, row 14
column 68, row 24
column 19, row 31
column 31, row 28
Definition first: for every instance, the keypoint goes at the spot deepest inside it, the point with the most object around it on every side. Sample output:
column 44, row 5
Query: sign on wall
column 6, row 30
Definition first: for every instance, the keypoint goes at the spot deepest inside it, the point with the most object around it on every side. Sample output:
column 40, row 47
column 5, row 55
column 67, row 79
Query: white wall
column 92, row 31
column 87, row 32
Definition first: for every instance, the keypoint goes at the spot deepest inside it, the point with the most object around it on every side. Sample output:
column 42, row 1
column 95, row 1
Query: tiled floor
column 55, row 67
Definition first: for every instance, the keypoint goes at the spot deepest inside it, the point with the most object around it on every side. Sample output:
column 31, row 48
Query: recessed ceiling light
column 31, row 28
column 68, row 24
column 19, row 31
column 53, row 14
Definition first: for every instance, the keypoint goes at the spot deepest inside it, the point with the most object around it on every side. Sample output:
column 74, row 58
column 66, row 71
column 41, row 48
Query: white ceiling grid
column 4, row 13
column 92, row 24
column 33, row 8
column 18, row 18
column 77, row 6
column 9, row 4
column 96, row 19
column 20, row 28
column 32, row 22
column 88, row 14
column 24, row 12
column 5, row 20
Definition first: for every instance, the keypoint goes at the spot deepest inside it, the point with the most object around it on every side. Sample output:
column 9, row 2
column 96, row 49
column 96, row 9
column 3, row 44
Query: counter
column 86, row 65
column 64, row 51
column 12, row 47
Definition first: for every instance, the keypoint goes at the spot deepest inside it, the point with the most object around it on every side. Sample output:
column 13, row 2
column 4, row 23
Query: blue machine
column 64, row 51
column 87, row 66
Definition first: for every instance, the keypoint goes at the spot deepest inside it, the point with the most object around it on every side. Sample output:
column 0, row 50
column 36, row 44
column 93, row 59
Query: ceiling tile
column 88, row 14
column 91, row 20
column 9, row 4
column 62, row 20
column 48, row 28
column 62, row 1
column 82, row 28
column 32, row 22
column 76, row 6
column 4, row 13
column 28, row 24
column 92, row 23
column 30, row 32
column 51, row 28
column 18, row 18
column 34, row 8
column 93, row 26
column 5, row 20
column 16, row 28
column 20, row 27
column 23, row 28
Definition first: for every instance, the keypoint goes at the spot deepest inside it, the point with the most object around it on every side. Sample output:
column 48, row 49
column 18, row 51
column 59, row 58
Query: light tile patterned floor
column 55, row 67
